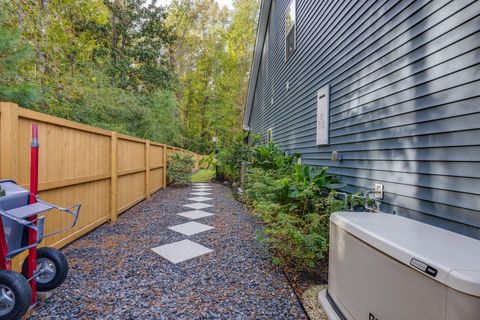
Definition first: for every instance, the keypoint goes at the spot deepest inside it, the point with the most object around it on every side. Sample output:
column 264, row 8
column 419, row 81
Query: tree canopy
column 174, row 74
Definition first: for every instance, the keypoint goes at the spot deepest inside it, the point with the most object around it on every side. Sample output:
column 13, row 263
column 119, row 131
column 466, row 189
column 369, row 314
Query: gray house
column 382, row 92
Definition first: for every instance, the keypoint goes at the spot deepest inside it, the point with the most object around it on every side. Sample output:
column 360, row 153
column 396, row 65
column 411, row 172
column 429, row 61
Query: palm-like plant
column 308, row 184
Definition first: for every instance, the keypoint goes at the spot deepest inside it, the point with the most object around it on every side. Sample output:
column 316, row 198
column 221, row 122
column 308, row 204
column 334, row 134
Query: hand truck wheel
column 52, row 269
column 15, row 295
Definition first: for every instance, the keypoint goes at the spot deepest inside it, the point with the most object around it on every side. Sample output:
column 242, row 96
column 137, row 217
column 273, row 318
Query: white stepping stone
column 200, row 193
column 199, row 199
column 180, row 251
column 191, row 228
column 197, row 205
column 201, row 189
column 201, row 184
column 195, row 214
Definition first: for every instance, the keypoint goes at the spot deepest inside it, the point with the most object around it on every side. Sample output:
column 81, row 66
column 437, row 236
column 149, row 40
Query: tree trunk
column 41, row 44
column 114, row 38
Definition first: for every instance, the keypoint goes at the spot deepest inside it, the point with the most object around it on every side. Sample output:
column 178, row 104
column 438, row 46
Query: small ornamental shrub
column 294, row 201
column 229, row 159
column 179, row 169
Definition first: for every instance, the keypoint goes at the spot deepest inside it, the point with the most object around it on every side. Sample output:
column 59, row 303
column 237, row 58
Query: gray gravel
column 115, row 275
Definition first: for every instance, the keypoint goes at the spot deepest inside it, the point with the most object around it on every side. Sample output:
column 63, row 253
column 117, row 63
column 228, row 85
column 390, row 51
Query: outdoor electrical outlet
column 378, row 191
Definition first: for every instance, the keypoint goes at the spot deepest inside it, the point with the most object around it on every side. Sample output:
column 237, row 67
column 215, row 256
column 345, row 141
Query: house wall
column 404, row 82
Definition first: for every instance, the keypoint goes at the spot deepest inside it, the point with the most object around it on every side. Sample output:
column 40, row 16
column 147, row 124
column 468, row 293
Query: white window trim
column 286, row 31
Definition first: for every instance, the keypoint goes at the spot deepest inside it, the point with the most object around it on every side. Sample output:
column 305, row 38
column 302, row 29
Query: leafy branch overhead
column 173, row 74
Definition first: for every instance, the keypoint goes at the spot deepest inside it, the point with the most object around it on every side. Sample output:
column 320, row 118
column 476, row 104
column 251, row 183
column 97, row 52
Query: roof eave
column 257, row 57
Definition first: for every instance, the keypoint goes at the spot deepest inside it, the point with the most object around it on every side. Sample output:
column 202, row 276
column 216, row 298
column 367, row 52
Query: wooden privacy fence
column 107, row 172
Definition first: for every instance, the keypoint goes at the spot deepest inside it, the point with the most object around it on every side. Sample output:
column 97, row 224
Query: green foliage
column 269, row 157
column 231, row 156
column 139, row 35
column 14, row 57
column 179, row 169
column 203, row 175
column 294, row 201
column 176, row 75
column 212, row 57
column 100, row 63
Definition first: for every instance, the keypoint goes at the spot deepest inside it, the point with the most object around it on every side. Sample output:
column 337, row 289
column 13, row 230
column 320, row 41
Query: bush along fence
column 106, row 171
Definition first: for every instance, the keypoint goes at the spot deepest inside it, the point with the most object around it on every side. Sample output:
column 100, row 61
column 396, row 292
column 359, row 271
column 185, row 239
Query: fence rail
column 106, row 171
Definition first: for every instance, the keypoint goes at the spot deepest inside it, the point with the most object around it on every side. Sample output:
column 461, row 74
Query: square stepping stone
column 197, row 205
column 200, row 193
column 201, row 184
column 200, row 199
column 180, row 251
column 195, row 214
column 202, row 189
column 191, row 228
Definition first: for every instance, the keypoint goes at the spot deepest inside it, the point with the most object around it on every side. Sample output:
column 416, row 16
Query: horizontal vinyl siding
column 404, row 82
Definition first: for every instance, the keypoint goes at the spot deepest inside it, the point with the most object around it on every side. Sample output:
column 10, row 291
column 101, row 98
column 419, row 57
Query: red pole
column 4, row 262
column 32, row 235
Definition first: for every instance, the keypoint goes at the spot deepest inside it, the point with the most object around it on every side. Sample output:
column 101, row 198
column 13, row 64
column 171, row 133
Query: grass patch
column 203, row 175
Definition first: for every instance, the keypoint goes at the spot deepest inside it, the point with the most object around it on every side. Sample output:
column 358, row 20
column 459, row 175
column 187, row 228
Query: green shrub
column 294, row 202
column 230, row 157
column 270, row 157
column 179, row 169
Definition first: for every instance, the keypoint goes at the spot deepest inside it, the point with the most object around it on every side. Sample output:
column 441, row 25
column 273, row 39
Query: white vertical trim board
column 323, row 115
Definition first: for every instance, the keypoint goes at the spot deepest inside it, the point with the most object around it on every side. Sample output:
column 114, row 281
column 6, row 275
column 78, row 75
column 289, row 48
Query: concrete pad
column 200, row 193
column 199, row 199
column 201, row 184
column 202, row 189
column 197, row 205
column 180, row 251
column 191, row 228
column 195, row 214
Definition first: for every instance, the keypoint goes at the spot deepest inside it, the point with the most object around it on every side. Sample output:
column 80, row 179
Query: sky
column 221, row 2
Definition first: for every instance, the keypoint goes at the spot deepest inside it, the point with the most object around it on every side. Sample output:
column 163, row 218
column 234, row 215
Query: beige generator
column 387, row 267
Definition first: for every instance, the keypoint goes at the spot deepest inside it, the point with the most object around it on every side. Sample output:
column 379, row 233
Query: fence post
column 114, row 177
column 164, row 165
column 9, row 141
column 147, row 169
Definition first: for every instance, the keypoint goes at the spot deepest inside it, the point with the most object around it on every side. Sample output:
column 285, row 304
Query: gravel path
column 115, row 275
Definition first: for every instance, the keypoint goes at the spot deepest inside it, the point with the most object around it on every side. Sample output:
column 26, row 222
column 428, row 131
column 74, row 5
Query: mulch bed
column 302, row 280
column 115, row 275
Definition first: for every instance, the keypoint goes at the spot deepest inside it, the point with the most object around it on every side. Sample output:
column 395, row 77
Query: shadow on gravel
column 115, row 275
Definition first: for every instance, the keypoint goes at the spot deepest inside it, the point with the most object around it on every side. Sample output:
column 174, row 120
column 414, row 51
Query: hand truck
column 22, row 229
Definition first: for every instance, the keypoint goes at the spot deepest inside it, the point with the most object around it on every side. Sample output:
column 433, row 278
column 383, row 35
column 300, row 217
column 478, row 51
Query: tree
column 212, row 56
column 140, row 41
column 15, row 57
column 175, row 76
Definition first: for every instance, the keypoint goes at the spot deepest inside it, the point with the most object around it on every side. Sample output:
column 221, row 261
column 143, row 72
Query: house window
column 269, row 135
column 290, row 29
column 323, row 115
